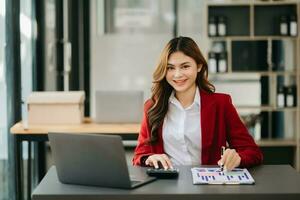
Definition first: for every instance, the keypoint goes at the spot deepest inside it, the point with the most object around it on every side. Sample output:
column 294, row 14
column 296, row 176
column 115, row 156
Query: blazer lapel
column 208, row 120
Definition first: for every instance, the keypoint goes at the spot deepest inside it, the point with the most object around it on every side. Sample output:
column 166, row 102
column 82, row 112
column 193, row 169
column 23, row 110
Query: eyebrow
column 169, row 64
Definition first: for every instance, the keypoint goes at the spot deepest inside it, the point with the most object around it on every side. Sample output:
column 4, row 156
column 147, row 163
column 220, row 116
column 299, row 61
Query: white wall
column 122, row 61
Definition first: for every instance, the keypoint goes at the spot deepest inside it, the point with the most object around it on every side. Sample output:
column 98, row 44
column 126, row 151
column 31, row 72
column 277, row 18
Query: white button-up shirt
column 182, row 132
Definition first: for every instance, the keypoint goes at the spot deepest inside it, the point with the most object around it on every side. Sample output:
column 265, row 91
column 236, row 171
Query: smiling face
column 182, row 72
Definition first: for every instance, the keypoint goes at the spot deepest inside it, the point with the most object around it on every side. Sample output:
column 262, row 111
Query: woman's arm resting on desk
column 143, row 150
column 239, row 138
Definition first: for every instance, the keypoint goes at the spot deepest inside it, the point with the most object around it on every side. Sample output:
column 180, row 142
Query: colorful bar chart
column 203, row 175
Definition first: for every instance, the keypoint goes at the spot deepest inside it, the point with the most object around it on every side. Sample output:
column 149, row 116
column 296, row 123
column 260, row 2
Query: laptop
column 119, row 106
column 94, row 160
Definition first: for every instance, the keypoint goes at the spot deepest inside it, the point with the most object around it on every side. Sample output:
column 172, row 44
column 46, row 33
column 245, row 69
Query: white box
column 56, row 107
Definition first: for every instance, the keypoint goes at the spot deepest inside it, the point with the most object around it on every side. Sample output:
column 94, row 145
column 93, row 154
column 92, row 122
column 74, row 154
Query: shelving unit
column 277, row 143
column 255, row 49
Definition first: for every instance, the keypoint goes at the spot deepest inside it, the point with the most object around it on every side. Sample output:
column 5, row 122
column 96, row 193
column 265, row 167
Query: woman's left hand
column 230, row 159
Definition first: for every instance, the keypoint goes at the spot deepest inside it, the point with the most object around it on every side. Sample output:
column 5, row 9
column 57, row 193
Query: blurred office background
column 90, row 45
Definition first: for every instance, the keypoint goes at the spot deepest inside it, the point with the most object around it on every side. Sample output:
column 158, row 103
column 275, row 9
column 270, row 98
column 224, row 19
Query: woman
column 185, row 122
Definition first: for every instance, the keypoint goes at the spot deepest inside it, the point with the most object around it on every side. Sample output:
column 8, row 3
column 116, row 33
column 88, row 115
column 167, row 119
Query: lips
column 180, row 82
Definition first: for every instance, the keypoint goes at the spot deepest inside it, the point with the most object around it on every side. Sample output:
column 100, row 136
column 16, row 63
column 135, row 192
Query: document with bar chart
column 203, row 175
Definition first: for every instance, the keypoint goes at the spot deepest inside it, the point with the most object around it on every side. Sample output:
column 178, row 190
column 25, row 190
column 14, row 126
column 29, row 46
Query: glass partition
column 27, row 55
column 3, row 111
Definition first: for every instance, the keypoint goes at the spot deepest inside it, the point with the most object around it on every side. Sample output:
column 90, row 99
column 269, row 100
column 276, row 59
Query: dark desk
column 39, row 134
column 272, row 182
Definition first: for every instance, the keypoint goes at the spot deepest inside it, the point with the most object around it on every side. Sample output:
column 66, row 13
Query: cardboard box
column 56, row 107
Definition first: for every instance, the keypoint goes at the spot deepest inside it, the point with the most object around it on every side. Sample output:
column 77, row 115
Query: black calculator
column 163, row 173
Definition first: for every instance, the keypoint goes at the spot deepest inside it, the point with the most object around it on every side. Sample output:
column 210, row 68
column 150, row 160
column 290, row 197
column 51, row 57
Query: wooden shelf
column 261, row 73
column 253, row 37
column 252, row 2
column 276, row 142
column 274, row 3
column 229, row 3
column 230, row 38
column 293, row 109
column 266, row 108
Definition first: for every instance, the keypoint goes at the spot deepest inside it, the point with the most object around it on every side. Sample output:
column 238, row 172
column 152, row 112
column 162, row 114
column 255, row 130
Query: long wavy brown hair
column 161, row 89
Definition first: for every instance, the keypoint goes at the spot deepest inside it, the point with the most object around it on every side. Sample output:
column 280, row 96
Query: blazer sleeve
column 239, row 138
column 143, row 149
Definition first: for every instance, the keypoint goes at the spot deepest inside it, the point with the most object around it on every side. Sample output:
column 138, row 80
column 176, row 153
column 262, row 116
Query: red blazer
column 219, row 123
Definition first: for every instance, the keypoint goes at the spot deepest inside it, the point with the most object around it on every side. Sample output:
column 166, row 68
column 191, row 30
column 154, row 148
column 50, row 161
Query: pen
column 222, row 153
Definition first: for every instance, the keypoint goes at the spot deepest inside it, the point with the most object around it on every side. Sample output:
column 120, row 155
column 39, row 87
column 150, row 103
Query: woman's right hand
column 156, row 159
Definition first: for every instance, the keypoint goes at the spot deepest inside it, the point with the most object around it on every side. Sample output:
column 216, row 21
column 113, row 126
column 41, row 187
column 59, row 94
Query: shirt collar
column 197, row 97
column 173, row 99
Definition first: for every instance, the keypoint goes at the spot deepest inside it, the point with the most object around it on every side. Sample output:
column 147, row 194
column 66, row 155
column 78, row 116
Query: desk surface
column 272, row 182
column 86, row 127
